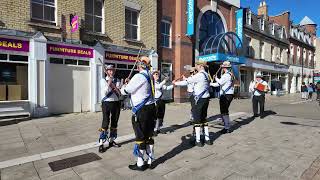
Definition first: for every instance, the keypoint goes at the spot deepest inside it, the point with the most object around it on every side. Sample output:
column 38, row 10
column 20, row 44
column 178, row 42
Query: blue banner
column 219, row 57
column 190, row 17
column 239, row 25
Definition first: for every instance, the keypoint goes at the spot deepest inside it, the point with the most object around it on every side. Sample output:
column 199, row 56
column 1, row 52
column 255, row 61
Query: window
column 132, row 24
column 272, row 29
column 261, row 50
column 83, row 63
column 93, row 15
column 3, row 56
column 56, row 61
column 281, row 56
column 165, row 34
column 18, row 58
column 262, row 24
column 70, row 61
column 43, row 10
column 249, row 17
column 272, row 53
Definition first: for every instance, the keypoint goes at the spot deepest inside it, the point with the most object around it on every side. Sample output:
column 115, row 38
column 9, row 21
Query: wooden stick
column 135, row 64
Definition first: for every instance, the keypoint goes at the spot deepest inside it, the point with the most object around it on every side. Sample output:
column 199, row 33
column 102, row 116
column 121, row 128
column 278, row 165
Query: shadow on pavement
column 186, row 143
column 297, row 124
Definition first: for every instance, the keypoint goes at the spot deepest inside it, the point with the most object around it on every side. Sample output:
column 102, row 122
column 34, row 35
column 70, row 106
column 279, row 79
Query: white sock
column 100, row 142
column 150, row 153
column 206, row 133
column 197, row 129
column 140, row 160
column 157, row 125
column 226, row 121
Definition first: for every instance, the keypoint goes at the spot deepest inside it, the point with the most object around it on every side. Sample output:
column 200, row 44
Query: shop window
column 121, row 66
column 18, row 58
column 130, row 66
column 56, row 60
column 131, row 24
column 43, row 10
column 166, row 34
column 13, row 81
column 70, row 61
column 3, row 57
column 93, row 15
column 83, row 63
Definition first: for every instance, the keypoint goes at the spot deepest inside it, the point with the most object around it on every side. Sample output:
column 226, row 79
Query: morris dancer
column 141, row 88
column 201, row 102
column 110, row 107
column 160, row 104
column 226, row 93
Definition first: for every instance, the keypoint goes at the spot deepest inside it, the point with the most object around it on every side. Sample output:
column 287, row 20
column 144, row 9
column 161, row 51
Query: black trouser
column 143, row 124
column 111, row 108
column 200, row 111
column 161, row 108
column 225, row 101
column 258, row 100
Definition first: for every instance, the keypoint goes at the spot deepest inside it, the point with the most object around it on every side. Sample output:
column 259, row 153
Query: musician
column 141, row 88
column 226, row 93
column 160, row 104
column 110, row 106
column 190, row 87
column 259, row 88
column 201, row 102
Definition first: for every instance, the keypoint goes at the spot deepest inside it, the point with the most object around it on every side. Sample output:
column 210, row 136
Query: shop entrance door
column 69, row 89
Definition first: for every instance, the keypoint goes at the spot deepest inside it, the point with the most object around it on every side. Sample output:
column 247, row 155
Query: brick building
column 266, row 48
column 175, row 48
column 45, row 68
column 302, row 48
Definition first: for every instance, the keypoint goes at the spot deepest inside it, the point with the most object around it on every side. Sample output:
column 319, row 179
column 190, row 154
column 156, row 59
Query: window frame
column 130, row 24
column 170, row 34
column 55, row 6
column 261, row 49
column 94, row 16
column 249, row 17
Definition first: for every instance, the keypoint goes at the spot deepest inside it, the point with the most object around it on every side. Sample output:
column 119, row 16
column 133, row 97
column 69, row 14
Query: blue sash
column 136, row 108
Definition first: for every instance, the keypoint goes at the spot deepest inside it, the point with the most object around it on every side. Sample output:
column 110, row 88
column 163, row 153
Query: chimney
column 263, row 9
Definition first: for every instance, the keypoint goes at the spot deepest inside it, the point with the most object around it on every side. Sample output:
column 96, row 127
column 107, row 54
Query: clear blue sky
column 298, row 9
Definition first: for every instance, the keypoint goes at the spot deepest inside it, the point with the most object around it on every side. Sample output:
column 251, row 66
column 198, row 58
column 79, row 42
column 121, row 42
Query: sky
column 298, row 9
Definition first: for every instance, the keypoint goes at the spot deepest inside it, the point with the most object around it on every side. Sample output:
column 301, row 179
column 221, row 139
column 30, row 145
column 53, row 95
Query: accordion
column 260, row 87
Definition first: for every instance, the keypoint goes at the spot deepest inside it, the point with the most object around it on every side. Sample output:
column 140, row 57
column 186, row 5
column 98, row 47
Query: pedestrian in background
column 310, row 91
column 318, row 90
column 304, row 91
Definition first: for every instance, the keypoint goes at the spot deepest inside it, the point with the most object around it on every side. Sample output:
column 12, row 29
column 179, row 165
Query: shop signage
column 239, row 26
column 190, row 17
column 74, row 24
column 120, row 57
column 219, row 57
column 14, row 45
column 69, row 51
column 316, row 77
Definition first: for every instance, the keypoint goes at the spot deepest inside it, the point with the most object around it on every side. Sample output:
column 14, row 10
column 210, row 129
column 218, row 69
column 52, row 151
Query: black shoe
column 199, row 144
column 101, row 149
column 255, row 115
column 155, row 133
column 114, row 144
column 135, row 167
column 208, row 142
column 225, row 131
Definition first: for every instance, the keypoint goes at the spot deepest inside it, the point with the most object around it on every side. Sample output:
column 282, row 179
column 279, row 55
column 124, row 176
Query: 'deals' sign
column 69, row 51
column 190, row 18
column 121, row 57
column 14, row 45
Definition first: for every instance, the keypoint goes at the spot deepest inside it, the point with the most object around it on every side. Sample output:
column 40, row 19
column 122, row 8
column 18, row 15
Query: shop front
column 14, row 65
column 276, row 75
column 297, row 77
column 69, row 78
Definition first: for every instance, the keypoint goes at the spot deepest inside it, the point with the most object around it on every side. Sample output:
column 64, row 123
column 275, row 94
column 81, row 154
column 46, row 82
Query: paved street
column 284, row 145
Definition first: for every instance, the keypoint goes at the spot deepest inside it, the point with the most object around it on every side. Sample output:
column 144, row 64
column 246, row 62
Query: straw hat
column 226, row 64
column 145, row 60
column 201, row 62
column 110, row 67
column 259, row 75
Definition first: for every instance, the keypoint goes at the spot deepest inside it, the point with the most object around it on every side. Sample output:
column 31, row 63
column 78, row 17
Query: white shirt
column 201, row 83
column 105, row 89
column 252, row 87
column 190, row 86
column 159, row 87
column 224, row 82
column 139, row 88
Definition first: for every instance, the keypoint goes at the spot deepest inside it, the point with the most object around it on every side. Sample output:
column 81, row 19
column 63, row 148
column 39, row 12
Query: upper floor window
column 249, row 17
column 261, row 49
column 298, row 52
column 43, row 10
column 132, row 24
column 272, row 53
column 272, row 29
column 93, row 15
column 281, row 55
column 262, row 24
column 166, row 34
